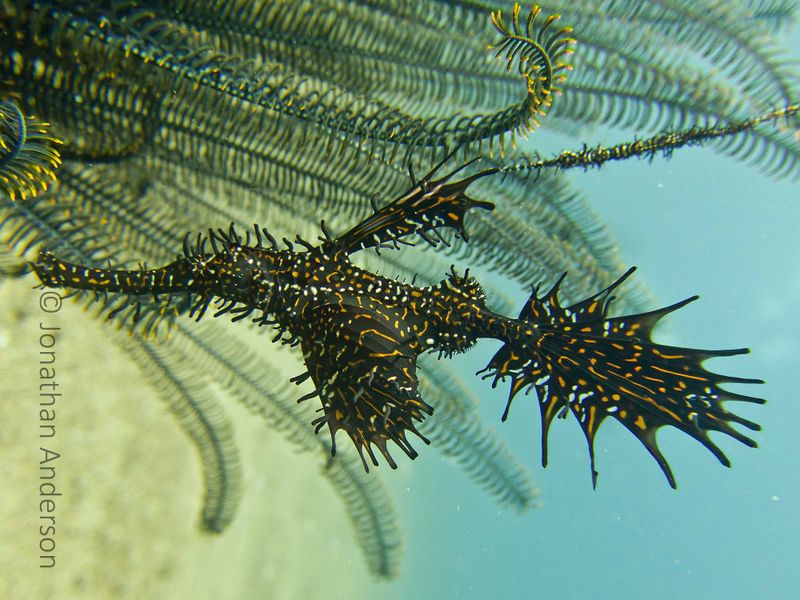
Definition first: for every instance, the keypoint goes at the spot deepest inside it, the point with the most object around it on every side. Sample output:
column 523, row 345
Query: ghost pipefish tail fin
column 581, row 361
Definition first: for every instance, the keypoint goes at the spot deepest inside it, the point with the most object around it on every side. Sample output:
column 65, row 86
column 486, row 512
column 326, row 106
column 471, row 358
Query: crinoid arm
column 580, row 360
column 425, row 208
column 665, row 143
column 362, row 360
column 29, row 156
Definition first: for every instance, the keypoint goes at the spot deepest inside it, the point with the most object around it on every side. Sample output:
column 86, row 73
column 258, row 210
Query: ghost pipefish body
column 361, row 333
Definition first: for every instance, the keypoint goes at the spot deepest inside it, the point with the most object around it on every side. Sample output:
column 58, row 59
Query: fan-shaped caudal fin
column 427, row 206
column 580, row 360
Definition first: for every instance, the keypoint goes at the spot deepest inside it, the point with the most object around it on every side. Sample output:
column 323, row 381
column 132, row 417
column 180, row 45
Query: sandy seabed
column 126, row 523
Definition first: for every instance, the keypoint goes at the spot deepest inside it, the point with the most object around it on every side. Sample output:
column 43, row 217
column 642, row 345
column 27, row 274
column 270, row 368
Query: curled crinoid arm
column 539, row 51
column 29, row 156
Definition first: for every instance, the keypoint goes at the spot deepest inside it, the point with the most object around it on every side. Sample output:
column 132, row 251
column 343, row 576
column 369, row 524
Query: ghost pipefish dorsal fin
column 428, row 205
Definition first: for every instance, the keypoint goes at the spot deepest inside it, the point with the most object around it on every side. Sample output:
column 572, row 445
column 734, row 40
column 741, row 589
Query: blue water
column 700, row 223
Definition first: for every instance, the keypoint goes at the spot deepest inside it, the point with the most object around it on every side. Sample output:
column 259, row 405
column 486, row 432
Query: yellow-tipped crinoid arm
column 29, row 156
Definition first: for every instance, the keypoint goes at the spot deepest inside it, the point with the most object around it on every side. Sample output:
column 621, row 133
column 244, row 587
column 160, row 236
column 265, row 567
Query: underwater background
column 698, row 223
